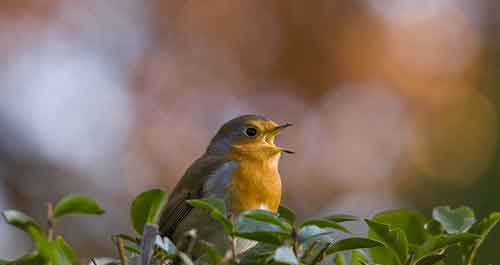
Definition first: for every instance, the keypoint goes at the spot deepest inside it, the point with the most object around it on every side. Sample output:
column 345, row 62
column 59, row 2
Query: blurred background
column 396, row 103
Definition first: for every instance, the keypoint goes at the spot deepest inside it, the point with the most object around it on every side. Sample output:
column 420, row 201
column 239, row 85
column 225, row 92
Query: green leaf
column 410, row 221
column 212, row 254
column 309, row 232
column 456, row 220
column 50, row 252
column 352, row 243
column 27, row 224
column 485, row 226
column 76, row 204
column 263, row 237
column 211, row 204
column 324, row 223
column 434, row 228
column 394, row 239
column 313, row 251
column 29, row 259
column 3, row 262
column 165, row 245
column 132, row 260
column 284, row 254
column 443, row 241
column 45, row 248
column 429, row 259
column 146, row 207
column 339, row 218
column 357, row 258
column 66, row 251
column 267, row 217
column 260, row 231
column 21, row 221
column 339, row 259
column 216, row 209
column 287, row 214
column 481, row 228
column 260, row 254
column 132, row 249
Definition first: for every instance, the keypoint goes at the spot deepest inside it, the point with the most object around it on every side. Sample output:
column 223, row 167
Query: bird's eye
column 251, row 132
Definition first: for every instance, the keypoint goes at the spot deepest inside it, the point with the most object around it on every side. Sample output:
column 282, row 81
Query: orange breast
column 255, row 184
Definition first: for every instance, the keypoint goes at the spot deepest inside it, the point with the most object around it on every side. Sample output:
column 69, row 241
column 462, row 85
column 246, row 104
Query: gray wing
column 206, row 178
column 217, row 182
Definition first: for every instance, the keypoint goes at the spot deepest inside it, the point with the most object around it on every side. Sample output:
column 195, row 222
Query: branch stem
column 320, row 255
column 121, row 251
column 50, row 221
column 309, row 249
column 233, row 247
column 473, row 254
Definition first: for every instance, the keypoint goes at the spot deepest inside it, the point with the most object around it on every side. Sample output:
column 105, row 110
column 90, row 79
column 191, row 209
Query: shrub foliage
column 397, row 237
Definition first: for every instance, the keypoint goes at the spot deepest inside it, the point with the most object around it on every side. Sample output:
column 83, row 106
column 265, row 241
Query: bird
column 240, row 167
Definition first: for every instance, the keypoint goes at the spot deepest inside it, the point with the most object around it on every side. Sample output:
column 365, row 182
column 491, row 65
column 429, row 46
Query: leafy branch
column 397, row 237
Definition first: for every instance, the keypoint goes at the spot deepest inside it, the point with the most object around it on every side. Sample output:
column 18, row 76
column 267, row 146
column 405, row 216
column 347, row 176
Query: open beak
column 277, row 130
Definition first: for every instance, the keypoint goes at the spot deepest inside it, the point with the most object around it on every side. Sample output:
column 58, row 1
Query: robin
column 240, row 166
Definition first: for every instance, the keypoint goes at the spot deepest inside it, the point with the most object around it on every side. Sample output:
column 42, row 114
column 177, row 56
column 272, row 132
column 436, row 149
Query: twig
column 192, row 237
column 50, row 220
column 295, row 248
column 147, row 243
column 410, row 259
column 309, row 249
column 320, row 255
column 233, row 247
column 230, row 254
column 129, row 238
column 188, row 243
column 93, row 261
column 295, row 243
column 233, row 239
column 121, row 251
column 473, row 254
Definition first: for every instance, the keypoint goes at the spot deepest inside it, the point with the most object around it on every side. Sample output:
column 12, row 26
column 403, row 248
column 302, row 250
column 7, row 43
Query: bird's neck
column 268, row 163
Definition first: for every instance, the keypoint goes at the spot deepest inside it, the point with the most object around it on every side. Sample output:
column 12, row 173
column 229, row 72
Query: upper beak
column 281, row 127
column 278, row 129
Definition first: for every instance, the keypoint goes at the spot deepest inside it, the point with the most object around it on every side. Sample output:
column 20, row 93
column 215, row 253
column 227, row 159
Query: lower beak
column 277, row 131
column 287, row 151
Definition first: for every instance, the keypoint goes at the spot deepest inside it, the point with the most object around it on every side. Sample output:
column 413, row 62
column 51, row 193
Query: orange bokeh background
column 395, row 103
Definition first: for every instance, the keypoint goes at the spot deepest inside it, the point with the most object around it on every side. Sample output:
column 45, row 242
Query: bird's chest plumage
column 255, row 184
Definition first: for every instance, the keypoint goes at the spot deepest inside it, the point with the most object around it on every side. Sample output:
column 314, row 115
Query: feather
column 207, row 177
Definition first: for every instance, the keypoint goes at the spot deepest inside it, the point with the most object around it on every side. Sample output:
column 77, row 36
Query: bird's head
column 248, row 136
